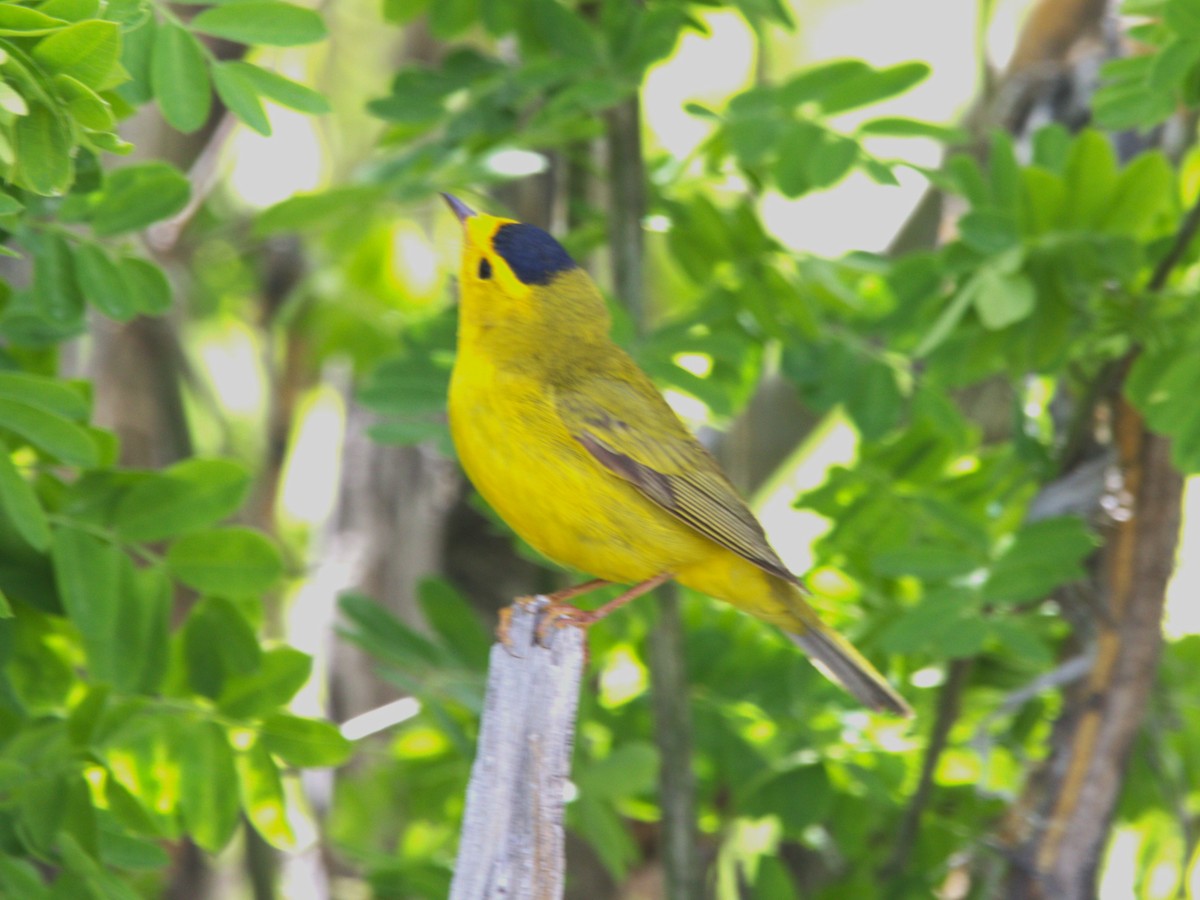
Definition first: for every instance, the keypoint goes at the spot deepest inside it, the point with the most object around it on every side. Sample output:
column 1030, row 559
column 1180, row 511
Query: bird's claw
column 502, row 627
column 560, row 615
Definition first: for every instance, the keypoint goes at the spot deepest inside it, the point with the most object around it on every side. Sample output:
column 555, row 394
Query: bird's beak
column 460, row 209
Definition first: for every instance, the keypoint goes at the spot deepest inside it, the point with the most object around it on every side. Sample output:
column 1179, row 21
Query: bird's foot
column 560, row 615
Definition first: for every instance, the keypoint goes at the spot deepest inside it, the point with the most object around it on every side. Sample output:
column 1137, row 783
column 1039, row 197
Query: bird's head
column 516, row 276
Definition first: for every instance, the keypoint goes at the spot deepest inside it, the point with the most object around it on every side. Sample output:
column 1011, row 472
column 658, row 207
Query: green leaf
column 563, row 31
column 11, row 101
column 21, row 21
column 814, row 83
column 384, row 636
column 836, row 372
column 934, row 625
column 455, row 621
column 401, row 12
column 102, row 284
column 146, row 285
column 894, row 126
column 47, row 394
column 135, row 196
column 282, row 90
column 240, row 96
column 774, row 880
column 18, row 878
column 227, row 562
column 607, row 833
column 1172, row 63
column 218, row 644
column 42, row 143
column 1004, row 175
column 1042, row 556
column 1162, row 385
column 143, row 629
column 872, row 85
column 50, row 433
column 1043, row 194
column 931, row 562
column 988, row 231
column 261, row 790
column 283, row 671
column 792, row 169
column 190, row 495
column 304, row 742
column 179, row 75
column 1144, row 190
column 831, row 160
column 137, row 54
column 1184, row 16
column 55, row 291
column 86, row 51
column 87, row 107
column 21, row 504
column 1051, row 147
column 629, row 770
column 123, row 613
column 87, row 571
column 207, row 775
column 1002, row 299
column 71, row 10
column 449, row 18
column 93, row 880
column 125, row 850
column 945, row 322
column 261, row 22
column 1123, row 105
column 1091, row 179
column 406, row 386
column 800, row 797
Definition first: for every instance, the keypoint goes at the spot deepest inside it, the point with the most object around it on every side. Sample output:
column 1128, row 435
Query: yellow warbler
column 573, row 446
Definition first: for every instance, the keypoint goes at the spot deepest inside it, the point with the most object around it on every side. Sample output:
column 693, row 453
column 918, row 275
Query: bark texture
column 512, row 839
column 1057, row 833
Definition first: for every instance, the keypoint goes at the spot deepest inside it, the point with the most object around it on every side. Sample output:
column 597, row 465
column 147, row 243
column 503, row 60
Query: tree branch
column 1183, row 237
column 512, row 838
column 949, row 704
column 672, row 716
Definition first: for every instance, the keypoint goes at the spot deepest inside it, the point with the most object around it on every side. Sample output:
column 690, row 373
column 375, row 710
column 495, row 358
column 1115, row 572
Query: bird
column 573, row 446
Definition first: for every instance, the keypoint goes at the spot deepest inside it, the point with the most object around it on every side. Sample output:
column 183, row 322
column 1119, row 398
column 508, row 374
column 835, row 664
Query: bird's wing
column 626, row 426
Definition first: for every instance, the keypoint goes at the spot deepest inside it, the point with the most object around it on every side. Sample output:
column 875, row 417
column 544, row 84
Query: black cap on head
column 533, row 255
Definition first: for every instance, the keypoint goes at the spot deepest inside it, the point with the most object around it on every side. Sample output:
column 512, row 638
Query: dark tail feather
column 841, row 663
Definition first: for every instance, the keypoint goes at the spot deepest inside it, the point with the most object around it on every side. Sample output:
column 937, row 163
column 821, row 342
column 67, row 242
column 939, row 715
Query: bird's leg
column 565, row 614
column 558, row 600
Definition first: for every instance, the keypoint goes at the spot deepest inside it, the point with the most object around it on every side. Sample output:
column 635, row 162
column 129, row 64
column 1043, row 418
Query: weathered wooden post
column 512, row 837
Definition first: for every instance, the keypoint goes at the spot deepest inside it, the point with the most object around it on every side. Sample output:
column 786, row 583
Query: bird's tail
column 841, row 663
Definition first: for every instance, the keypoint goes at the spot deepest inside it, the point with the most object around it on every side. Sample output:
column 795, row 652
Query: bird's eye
column 485, row 269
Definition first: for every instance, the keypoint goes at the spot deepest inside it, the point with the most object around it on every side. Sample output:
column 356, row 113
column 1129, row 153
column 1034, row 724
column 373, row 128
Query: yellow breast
column 541, row 481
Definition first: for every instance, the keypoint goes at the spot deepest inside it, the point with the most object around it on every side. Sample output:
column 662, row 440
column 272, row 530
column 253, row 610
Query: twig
column 673, row 734
column 672, row 716
column 512, row 838
column 949, row 702
column 1187, row 230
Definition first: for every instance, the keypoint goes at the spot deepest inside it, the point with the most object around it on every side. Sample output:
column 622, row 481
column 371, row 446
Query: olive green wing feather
column 627, row 427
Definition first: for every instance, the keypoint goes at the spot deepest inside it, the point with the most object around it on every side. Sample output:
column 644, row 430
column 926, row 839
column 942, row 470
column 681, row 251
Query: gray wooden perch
column 512, row 837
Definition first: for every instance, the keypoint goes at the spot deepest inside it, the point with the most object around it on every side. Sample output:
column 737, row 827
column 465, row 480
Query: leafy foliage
column 134, row 674
column 932, row 532
column 122, row 729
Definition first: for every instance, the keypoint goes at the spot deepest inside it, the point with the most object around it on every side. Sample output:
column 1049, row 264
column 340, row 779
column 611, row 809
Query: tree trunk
column 1057, row 833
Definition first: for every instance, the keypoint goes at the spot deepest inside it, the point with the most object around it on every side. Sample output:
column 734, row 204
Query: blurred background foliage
column 922, row 275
